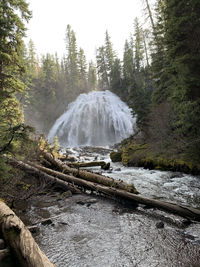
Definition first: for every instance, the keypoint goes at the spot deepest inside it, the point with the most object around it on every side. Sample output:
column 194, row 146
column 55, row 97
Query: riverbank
column 87, row 230
column 133, row 154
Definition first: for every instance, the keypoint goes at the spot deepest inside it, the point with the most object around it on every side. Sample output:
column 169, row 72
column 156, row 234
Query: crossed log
column 18, row 237
column 74, row 179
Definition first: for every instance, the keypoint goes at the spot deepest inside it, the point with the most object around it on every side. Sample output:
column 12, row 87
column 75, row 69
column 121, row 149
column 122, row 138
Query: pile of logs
column 71, row 176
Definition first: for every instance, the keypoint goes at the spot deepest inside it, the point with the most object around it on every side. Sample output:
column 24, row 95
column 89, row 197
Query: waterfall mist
column 99, row 118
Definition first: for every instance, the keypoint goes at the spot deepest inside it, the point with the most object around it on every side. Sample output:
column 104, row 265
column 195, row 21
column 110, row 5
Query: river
column 89, row 230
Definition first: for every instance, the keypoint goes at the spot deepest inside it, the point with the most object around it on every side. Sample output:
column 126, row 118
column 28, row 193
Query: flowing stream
column 89, row 230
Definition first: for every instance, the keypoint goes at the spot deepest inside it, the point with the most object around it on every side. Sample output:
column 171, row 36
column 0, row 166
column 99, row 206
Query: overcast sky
column 88, row 18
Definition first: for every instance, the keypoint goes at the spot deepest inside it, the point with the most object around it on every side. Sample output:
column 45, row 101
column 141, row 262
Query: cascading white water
column 98, row 118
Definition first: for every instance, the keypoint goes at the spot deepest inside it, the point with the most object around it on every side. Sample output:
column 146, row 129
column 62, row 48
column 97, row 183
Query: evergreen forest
column 158, row 76
column 96, row 216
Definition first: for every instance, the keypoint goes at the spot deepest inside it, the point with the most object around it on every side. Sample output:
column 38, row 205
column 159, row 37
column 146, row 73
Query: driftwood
column 25, row 167
column 184, row 211
column 92, row 177
column 20, row 241
column 181, row 210
column 102, row 164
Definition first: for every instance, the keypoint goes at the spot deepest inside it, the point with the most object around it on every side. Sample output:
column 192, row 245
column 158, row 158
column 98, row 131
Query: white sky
column 88, row 18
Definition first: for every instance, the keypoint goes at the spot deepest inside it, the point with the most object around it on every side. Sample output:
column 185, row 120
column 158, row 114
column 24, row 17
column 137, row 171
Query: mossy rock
column 142, row 155
column 133, row 153
column 165, row 164
column 116, row 156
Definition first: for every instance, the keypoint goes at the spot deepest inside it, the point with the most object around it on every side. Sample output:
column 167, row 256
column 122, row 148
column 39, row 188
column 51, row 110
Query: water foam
column 99, row 118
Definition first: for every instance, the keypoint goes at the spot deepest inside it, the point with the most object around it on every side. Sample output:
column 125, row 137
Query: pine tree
column 109, row 54
column 72, row 71
column 128, row 67
column 92, row 76
column 136, row 76
column 45, row 92
column 176, row 64
column 183, row 53
column 82, row 68
column 138, row 44
column 32, row 64
column 102, row 69
column 13, row 15
column 116, row 77
column 159, row 58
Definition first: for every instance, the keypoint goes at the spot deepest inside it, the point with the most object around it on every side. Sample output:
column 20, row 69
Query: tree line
column 55, row 82
column 158, row 76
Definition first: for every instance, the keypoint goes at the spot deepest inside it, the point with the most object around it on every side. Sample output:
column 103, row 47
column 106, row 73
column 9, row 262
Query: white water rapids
column 88, row 230
column 99, row 118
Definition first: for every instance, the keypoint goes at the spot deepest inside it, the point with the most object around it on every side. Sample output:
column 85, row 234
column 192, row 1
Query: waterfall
column 99, row 118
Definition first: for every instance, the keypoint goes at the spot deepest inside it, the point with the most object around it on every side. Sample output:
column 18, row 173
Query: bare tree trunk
column 181, row 210
column 111, row 190
column 150, row 15
column 103, row 164
column 20, row 240
column 92, row 177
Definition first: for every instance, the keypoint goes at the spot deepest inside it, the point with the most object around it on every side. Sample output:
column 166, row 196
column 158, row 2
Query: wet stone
column 46, row 222
column 63, row 223
column 80, row 202
column 159, row 225
column 118, row 169
column 176, row 175
column 87, row 202
column 186, row 223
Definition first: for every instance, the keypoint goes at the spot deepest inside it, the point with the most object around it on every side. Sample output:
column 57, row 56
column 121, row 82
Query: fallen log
column 184, row 211
column 102, row 164
column 25, row 167
column 20, row 241
column 89, row 176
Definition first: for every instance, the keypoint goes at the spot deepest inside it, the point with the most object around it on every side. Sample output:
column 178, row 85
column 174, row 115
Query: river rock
column 87, row 202
column 116, row 156
column 63, row 223
column 46, row 221
column 160, row 225
column 118, row 169
column 176, row 175
column 186, row 222
column 2, row 244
